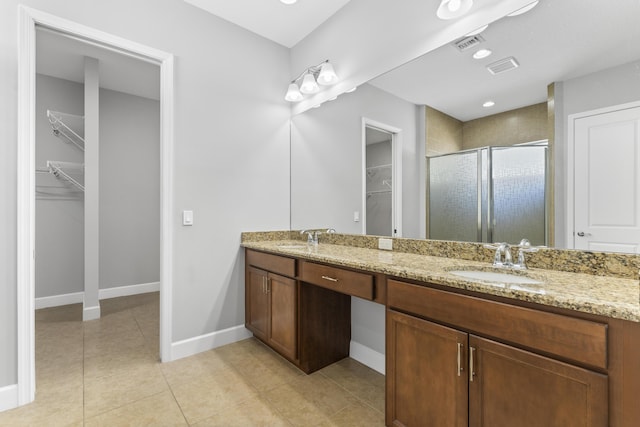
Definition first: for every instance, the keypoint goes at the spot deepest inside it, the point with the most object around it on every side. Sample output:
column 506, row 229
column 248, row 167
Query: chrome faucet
column 503, row 257
column 524, row 246
column 313, row 236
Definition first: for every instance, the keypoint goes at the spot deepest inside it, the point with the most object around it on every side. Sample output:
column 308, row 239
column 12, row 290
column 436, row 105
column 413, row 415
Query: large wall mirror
column 562, row 58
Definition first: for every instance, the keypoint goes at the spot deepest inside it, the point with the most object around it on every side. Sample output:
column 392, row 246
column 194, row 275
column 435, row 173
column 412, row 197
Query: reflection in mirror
column 378, row 182
column 573, row 57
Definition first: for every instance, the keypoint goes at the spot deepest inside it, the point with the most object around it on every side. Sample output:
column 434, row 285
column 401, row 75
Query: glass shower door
column 453, row 197
column 517, row 192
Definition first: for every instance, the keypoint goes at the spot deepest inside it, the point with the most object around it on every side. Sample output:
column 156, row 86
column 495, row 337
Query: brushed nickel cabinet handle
column 471, row 372
column 460, row 369
column 268, row 284
column 331, row 279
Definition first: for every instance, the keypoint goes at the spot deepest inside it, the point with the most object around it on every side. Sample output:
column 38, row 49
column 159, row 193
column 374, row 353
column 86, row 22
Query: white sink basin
column 492, row 276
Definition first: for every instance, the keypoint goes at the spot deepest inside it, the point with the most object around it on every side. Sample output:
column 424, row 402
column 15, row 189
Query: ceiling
column 556, row 41
column 62, row 56
column 286, row 24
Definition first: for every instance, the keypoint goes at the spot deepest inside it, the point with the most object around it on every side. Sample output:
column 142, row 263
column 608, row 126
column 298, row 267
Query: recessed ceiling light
column 451, row 9
column 477, row 31
column 525, row 9
column 352, row 89
column 288, row 1
column 482, row 53
column 488, row 104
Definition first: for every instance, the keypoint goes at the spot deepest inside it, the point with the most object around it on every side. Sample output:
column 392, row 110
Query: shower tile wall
column 509, row 128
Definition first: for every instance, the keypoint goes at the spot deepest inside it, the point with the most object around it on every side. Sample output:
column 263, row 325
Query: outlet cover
column 386, row 244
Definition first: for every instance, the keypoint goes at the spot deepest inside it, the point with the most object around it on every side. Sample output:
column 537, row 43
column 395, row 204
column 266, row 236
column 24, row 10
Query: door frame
column 396, row 161
column 570, row 189
column 28, row 20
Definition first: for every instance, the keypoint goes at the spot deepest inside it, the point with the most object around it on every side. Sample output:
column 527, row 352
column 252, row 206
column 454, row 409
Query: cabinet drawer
column 337, row 279
column 274, row 263
column 579, row 340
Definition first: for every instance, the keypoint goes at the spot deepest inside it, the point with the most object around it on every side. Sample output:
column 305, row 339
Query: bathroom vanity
column 459, row 351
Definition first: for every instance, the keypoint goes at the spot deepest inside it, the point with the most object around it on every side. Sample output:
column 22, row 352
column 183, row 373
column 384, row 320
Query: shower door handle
column 582, row 234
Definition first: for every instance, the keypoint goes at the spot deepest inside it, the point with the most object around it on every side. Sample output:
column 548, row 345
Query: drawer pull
column 331, row 279
column 460, row 369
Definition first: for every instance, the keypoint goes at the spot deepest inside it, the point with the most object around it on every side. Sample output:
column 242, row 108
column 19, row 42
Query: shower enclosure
column 491, row 194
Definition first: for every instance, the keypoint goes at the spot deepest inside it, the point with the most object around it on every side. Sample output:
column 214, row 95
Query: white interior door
column 607, row 181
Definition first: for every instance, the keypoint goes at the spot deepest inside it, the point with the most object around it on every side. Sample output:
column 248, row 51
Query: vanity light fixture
column 288, row 1
column 322, row 74
column 488, row 104
column 451, row 9
column 524, row 9
column 482, row 53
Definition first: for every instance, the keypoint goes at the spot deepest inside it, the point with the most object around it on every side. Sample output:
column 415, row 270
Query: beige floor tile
column 362, row 381
column 54, row 406
column 255, row 412
column 111, row 363
column 100, row 344
column 192, row 368
column 158, row 410
column 310, row 400
column 103, row 394
column 357, row 415
column 207, row 396
column 267, row 370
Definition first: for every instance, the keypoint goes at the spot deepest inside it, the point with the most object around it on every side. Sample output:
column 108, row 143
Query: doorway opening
column 382, row 179
column 30, row 21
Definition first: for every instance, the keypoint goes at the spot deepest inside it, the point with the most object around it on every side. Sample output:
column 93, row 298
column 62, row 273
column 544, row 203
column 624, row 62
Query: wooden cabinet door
column 426, row 373
column 513, row 387
column 257, row 303
column 284, row 314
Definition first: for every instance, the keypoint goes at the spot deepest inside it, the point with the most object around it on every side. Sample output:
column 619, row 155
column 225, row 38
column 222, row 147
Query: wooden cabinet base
column 325, row 327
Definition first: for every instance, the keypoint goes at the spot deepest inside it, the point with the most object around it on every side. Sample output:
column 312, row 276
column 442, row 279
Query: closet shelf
column 62, row 124
column 66, row 171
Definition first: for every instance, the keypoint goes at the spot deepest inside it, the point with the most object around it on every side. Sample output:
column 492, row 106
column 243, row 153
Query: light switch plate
column 356, row 216
column 187, row 217
column 386, row 244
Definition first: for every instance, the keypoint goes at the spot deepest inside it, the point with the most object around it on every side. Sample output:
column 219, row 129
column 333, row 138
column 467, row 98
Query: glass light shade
column 451, row 9
column 288, row 1
column 293, row 93
column 309, row 84
column 327, row 75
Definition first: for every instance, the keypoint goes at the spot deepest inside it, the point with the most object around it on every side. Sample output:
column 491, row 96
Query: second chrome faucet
column 503, row 257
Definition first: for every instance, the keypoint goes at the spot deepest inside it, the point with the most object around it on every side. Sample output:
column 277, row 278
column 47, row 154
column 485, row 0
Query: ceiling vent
column 503, row 65
column 467, row 43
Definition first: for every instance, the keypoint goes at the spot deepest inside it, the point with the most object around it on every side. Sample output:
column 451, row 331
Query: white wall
column 129, row 190
column 613, row 86
column 229, row 136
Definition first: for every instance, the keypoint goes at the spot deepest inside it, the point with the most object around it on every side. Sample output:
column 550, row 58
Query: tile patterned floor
column 106, row 373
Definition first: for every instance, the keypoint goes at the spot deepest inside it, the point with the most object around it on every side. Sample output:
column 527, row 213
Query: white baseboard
column 201, row 343
column 367, row 356
column 8, row 397
column 77, row 297
column 90, row 313
column 125, row 291
column 58, row 300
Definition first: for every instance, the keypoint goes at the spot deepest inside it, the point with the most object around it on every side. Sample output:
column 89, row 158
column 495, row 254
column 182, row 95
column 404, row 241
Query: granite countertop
column 606, row 296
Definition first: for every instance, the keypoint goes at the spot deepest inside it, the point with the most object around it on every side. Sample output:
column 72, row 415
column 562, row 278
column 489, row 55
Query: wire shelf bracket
column 65, row 171
column 62, row 124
